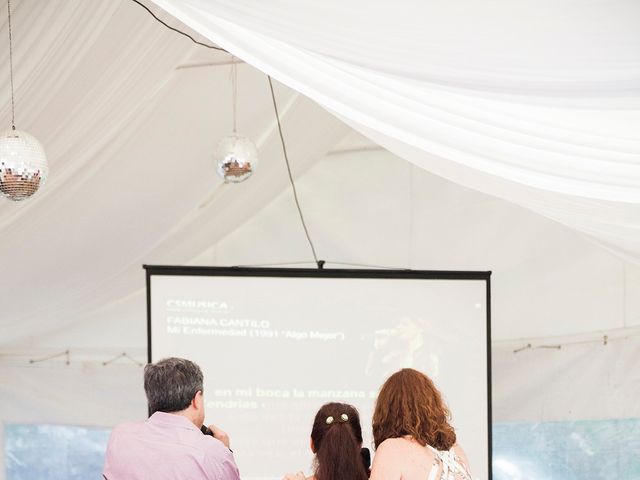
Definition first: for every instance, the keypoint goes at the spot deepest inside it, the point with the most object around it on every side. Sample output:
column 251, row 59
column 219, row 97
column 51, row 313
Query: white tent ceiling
column 129, row 137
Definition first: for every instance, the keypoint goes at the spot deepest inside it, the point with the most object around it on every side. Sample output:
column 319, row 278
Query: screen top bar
column 316, row 272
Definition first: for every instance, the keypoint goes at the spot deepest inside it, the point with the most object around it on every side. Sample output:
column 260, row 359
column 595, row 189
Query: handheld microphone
column 207, row 431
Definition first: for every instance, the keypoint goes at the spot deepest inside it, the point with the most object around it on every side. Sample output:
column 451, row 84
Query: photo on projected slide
column 274, row 349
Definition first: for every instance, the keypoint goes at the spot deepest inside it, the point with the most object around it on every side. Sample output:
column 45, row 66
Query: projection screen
column 276, row 344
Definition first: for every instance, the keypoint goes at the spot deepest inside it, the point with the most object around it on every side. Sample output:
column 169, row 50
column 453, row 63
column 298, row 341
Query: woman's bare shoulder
column 393, row 444
column 401, row 458
column 400, row 446
column 388, row 460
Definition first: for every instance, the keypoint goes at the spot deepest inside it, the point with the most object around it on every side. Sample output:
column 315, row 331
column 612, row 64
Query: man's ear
column 197, row 401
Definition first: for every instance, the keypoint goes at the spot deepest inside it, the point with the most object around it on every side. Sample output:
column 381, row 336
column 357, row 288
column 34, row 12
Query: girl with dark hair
column 412, row 434
column 336, row 440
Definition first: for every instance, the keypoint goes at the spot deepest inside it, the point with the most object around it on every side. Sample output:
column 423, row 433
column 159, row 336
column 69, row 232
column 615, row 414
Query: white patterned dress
column 448, row 465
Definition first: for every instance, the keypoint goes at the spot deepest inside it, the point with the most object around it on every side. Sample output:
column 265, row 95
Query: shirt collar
column 171, row 419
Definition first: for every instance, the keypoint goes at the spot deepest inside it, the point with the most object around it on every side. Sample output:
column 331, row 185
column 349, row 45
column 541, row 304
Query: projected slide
column 273, row 349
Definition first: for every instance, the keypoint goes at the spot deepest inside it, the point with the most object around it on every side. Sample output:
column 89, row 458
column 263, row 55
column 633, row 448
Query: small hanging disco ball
column 236, row 158
column 23, row 165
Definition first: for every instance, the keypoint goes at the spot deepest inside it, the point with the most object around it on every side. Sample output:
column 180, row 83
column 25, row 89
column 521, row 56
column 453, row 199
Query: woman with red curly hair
column 412, row 434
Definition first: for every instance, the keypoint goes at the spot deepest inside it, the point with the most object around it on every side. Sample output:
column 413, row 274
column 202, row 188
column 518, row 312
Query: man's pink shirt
column 167, row 447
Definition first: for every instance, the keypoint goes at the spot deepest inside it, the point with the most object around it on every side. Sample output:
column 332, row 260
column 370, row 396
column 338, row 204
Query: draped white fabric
column 534, row 102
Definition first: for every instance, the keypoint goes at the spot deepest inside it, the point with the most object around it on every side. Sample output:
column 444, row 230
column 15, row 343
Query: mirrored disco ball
column 23, row 165
column 236, row 158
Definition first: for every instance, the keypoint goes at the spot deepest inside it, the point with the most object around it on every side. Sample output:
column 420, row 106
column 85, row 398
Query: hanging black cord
column 293, row 185
column 213, row 47
column 319, row 263
column 13, row 103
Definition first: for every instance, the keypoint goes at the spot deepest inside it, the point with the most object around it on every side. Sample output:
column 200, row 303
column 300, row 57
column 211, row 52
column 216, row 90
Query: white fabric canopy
column 129, row 136
column 535, row 103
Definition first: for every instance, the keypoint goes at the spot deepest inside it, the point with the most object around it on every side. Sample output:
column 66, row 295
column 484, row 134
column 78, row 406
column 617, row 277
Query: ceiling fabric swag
column 535, row 103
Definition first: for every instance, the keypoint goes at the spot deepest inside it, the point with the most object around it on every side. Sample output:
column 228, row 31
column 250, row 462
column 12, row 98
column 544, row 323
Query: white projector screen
column 276, row 344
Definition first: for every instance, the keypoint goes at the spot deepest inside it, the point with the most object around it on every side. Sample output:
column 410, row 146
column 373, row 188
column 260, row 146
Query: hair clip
column 344, row 417
column 329, row 420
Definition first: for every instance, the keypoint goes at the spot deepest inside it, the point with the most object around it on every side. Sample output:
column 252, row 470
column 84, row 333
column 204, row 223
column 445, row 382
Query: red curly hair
column 410, row 404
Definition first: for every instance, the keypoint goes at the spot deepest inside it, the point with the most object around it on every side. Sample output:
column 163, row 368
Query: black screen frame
column 403, row 274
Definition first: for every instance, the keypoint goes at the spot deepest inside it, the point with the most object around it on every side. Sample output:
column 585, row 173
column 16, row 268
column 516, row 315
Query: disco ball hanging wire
column 234, row 170
column 236, row 156
column 23, row 164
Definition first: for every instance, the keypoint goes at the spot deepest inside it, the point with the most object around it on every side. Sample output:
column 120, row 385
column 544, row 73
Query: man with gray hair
column 169, row 444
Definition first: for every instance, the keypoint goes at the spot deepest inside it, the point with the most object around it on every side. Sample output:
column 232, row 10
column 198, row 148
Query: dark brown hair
column 171, row 384
column 410, row 404
column 337, row 444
